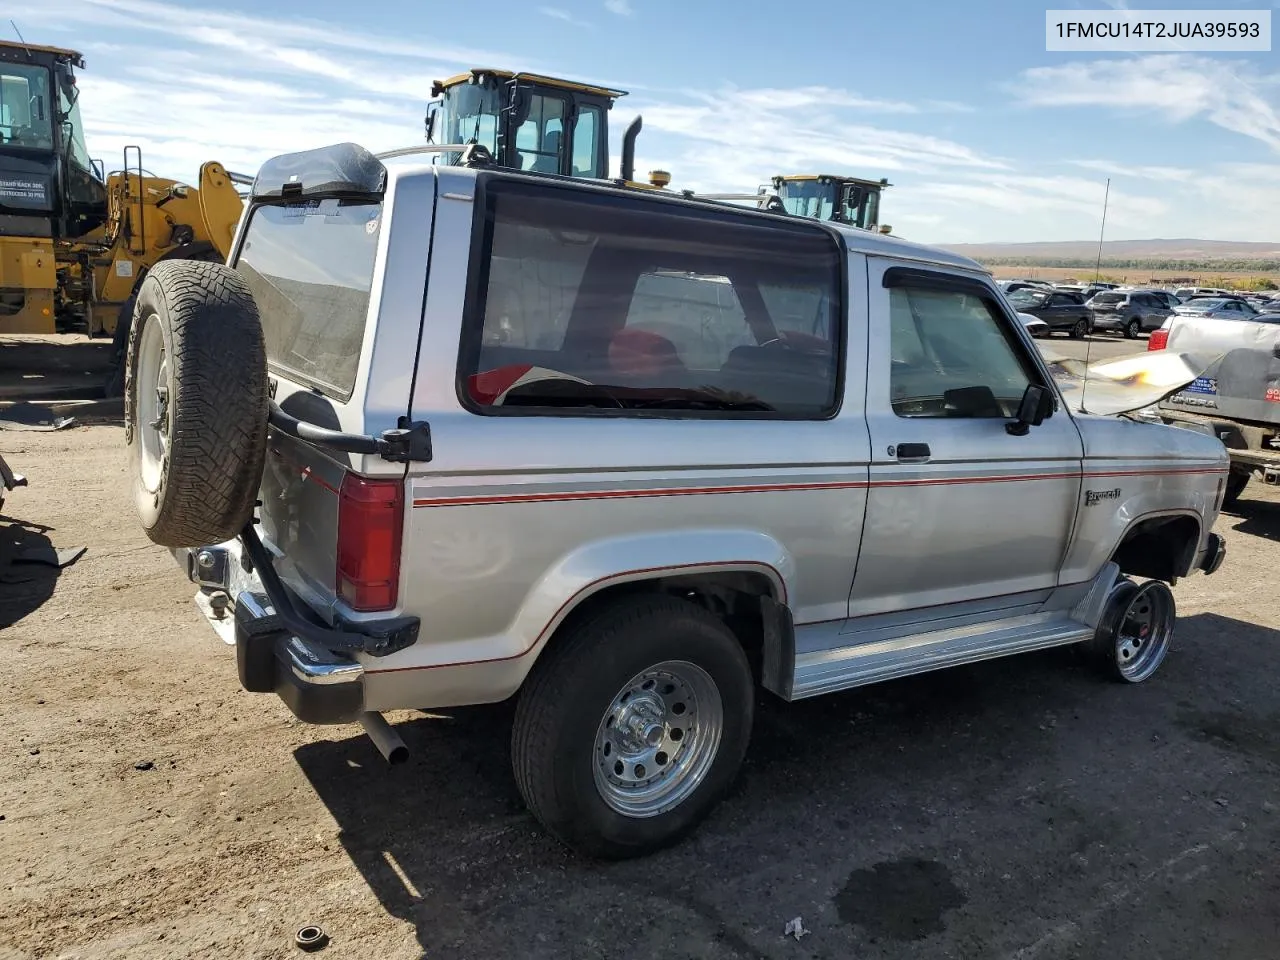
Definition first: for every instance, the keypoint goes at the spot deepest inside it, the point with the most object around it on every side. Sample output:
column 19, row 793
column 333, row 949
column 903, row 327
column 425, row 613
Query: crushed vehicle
column 444, row 434
column 1236, row 396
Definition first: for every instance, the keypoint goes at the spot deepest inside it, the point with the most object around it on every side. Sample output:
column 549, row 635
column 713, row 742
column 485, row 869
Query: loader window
column 26, row 112
column 310, row 267
column 540, row 139
column 586, row 143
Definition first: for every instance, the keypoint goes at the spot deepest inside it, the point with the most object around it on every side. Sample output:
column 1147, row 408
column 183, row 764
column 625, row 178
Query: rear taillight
column 370, row 523
column 1158, row 340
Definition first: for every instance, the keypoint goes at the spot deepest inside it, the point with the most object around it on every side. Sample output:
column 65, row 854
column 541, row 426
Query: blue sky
column 985, row 135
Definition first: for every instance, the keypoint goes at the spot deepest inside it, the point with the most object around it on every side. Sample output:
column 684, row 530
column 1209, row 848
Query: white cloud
column 621, row 7
column 1137, row 171
column 555, row 13
column 1178, row 87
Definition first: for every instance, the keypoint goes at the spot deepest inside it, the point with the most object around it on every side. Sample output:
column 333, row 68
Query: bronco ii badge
column 1093, row 497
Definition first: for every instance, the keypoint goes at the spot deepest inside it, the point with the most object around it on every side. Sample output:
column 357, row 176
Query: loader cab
column 848, row 200
column 48, row 184
column 526, row 121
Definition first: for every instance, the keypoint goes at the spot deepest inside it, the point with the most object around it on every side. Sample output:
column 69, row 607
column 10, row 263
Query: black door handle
column 913, row 451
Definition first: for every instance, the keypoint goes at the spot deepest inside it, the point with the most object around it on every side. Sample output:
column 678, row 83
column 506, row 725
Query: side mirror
column 432, row 120
column 1036, row 405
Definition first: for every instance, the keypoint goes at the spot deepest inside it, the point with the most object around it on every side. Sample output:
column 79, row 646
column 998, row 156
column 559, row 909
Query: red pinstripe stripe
column 489, row 499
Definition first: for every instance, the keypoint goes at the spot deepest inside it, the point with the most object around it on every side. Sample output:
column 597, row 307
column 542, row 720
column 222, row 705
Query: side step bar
column 826, row 671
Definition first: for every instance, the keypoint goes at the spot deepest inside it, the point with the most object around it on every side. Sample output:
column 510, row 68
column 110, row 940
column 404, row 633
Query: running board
column 826, row 671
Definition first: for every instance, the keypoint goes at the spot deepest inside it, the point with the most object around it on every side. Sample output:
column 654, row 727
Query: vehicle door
column 1061, row 314
column 1154, row 311
column 959, row 509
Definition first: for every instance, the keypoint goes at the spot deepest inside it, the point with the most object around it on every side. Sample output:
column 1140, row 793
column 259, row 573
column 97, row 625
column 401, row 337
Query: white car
column 1035, row 326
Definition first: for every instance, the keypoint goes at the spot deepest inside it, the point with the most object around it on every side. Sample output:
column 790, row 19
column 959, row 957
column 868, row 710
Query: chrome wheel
column 152, row 405
column 1144, row 632
column 658, row 739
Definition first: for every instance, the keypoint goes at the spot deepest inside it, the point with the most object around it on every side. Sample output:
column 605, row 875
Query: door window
column 586, row 143
column 951, row 357
column 539, row 140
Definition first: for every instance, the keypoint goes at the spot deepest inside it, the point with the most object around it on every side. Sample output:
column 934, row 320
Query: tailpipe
column 629, row 149
column 384, row 738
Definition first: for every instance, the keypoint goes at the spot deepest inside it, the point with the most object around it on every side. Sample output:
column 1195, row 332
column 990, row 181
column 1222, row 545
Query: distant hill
column 1087, row 250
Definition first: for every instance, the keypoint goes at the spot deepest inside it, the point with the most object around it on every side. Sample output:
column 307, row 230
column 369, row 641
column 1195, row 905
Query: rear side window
column 310, row 267
column 597, row 304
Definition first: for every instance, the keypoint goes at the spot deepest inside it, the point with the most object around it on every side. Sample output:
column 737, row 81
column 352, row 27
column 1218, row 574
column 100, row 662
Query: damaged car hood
column 1113, row 387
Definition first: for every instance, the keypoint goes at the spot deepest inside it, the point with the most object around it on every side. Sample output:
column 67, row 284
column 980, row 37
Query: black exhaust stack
column 629, row 149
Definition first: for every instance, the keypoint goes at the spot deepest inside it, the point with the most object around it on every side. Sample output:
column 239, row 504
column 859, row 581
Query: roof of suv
column 856, row 240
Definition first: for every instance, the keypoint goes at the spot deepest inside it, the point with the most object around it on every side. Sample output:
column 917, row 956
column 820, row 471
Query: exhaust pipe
column 384, row 738
column 629, row 149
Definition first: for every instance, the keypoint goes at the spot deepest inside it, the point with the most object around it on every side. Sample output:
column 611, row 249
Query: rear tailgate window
column 1109, row 297
column 310, row 267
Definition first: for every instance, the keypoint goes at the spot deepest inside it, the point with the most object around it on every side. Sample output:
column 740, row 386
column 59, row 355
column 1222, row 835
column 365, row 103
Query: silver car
column 1131, row 312
column 453, row 434
column 1217, row 308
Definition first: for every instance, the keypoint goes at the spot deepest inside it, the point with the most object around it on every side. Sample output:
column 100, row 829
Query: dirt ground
column 1021, row 809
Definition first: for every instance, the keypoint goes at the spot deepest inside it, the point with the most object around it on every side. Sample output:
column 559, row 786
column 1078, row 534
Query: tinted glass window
column 1108, row 298
column 310, row 267
column 951, row 356
column 612, row 304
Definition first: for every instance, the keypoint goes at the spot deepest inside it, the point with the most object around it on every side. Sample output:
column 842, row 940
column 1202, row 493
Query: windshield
column 471, row 111
column 808, row 198
column 24, row 107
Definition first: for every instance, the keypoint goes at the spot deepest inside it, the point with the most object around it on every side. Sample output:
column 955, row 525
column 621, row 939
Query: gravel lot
column 1018, row 809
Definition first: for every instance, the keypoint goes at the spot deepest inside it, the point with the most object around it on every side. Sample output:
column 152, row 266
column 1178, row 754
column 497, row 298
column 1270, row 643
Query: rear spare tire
column 196, row 403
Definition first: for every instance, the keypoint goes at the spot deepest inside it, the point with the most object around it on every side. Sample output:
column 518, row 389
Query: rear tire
column 651, row 687
column 195, row 403
column 1080, row 330
column 1132, row 328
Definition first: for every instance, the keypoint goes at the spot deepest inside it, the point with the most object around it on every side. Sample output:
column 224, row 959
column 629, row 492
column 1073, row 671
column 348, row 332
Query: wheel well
column 1159, row 548
column 745, row 601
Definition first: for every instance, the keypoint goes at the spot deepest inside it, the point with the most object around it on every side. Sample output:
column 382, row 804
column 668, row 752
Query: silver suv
column 446, row 435
column 1130, row 312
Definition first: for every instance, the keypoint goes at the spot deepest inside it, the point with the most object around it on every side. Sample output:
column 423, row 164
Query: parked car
column 1186, row 293
column 1062, row 311
column 1035, row 326
column 1130, row 312
column 452, row 434
column 1225, row 308
column 1167, row 297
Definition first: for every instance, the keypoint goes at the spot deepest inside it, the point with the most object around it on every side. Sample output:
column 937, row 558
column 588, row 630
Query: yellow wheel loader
column 544, row 124
column 75, row 241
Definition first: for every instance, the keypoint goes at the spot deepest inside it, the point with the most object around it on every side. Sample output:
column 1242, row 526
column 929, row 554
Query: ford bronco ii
column 451, row 434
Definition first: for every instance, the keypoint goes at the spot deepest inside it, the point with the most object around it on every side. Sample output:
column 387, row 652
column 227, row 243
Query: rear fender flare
column 606, row 563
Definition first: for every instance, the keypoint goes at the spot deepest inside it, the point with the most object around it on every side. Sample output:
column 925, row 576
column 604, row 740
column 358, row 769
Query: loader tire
column 196, row 403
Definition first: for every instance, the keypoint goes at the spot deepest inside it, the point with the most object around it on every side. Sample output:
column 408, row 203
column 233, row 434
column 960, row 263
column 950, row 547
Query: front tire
column 632, row 726
column 1136, row 631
